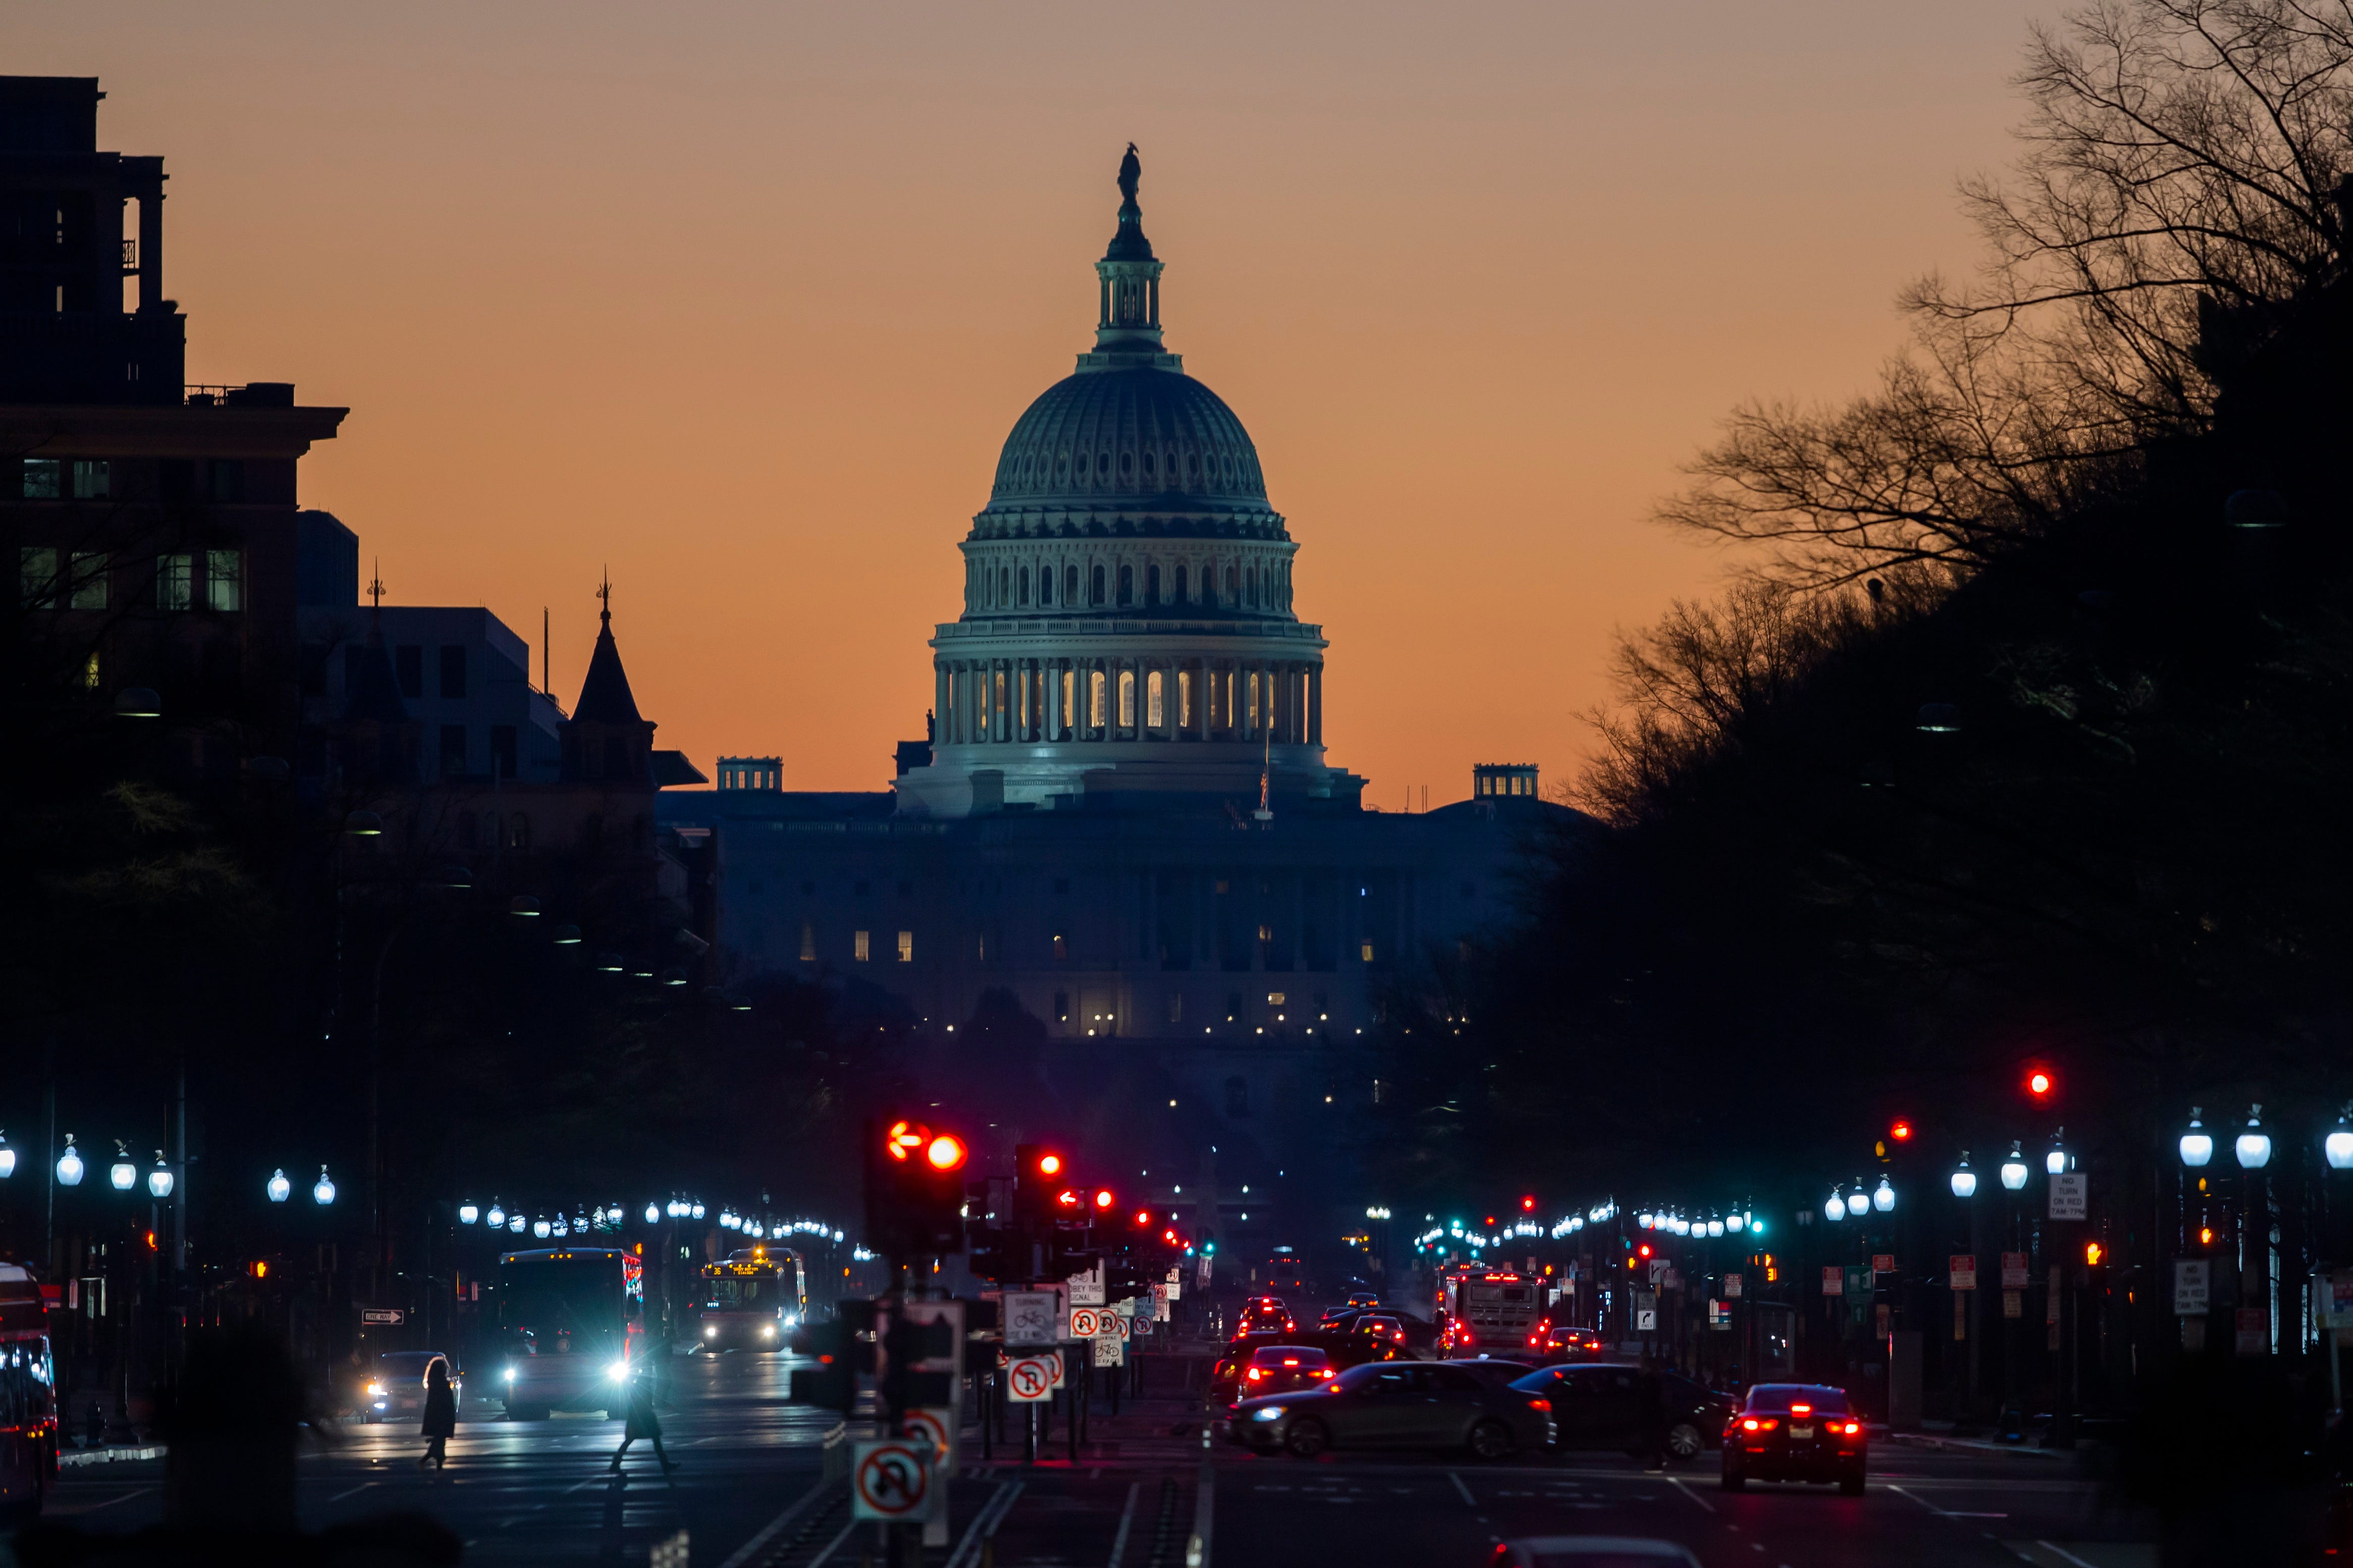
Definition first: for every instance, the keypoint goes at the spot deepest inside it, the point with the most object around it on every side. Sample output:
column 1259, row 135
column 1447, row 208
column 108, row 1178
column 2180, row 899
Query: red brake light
column 1255, row 1375
column 1801, row 1410
column 1291, row 1361
column 1749, row 1424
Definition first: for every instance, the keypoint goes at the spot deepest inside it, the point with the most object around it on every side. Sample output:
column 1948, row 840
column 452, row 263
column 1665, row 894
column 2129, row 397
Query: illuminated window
column 36, row 577
column 87, row 585
column 519, row 832
column 1070, row 697
column 1251, row 691
column 1368, row 952
column 1154, row 700
column 809, row 941
column 175, row 577
column 860, row 947
column 1096, row 693
column 42, row 478
column 1274, row 998
column 224, row 580
column 1128, row 698
column 1185, row 699
column 906, row 947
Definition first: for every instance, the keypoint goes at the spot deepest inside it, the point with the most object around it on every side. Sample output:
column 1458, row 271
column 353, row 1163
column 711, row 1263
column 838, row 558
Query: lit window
column 906, row 947
column 1185, row 699
column 90, row 673
column 1070, row 696
column 860, row 948
column 93, row 479
column 1251, row 691
column 174, row 582
column 1368, row 952
column 809, row 941
column 88, row 586
column 1153, row 701
column 1096, row 692
column 42, row 478
column 1274, row 998
column 1128, row 698
column 224, row 580
column 36, row 577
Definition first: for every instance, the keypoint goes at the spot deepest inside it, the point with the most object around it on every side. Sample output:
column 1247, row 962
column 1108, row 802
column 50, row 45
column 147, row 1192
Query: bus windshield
column 747, row 1290
column 561, row 1302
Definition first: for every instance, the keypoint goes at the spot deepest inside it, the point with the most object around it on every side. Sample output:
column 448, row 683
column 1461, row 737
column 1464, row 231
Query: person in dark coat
column 1650, row 1418
column 639, row 1419
column 441, row 1415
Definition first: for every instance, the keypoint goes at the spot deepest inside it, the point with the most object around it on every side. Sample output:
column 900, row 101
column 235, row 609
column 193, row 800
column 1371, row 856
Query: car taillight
column 1255, row 1375
column 1540, row 1404
column 1759, row 1423
column 1801, row 1410
column 1323, row 1371
column 1851, row 1427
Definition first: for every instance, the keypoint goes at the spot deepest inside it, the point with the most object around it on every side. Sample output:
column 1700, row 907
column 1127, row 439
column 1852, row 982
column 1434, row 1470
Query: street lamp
column 69, row 1165
column 2255, row 1146
column 467, row 1214
column 8, row 1159
column 1883, row 1200
column 363, row 825
column 2197, row 1145
column 1834, row 1211
column 653, row 1214
column 2013, row 1170
column 322, row 1192
column 522, row 906
column 1965, row 1181
column 159, row 1180
column 497, row 1218
column 1734, row 1221
column 122, row 1172
column 2055, row 1161
column 2337, row 1145
column 539, row 1228
column 279, row 1188
column 514, row 1224
column 697, row 1211
column 1858, row 1201
column 1716, row 1227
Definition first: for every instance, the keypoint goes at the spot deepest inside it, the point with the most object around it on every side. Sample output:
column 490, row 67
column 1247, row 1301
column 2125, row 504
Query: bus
column 571, row 1328
column 29, row 1396
column 752, row 1300
column 1486, row 1312
column 1284, row 1271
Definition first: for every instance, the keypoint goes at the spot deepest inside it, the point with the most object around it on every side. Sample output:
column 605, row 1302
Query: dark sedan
column 1398, row 1404
column 1795, row 1432
column 1602, row 1407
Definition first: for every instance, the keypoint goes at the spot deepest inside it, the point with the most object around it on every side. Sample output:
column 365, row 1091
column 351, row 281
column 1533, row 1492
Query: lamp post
column 1964, row 1190
column 2253, row 1150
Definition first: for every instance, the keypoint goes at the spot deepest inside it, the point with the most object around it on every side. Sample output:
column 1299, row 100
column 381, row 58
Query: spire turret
column 1127, row 331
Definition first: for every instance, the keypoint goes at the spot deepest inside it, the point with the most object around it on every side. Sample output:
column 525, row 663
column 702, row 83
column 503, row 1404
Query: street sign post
column 1086, row 1322
column 2013, row 1271
column 2193, row 1287
column 1833, row 1279
column 891, row 1480
column 1882, row 1263
column 1087, row 1289
column 1961, row 1271
column 2070, row 1195
column 1031, row 1379
column 1732, row 1286
column 1030, row 1318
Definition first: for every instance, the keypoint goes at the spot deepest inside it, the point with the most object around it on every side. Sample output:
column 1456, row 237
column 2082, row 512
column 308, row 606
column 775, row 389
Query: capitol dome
column 1127, row 624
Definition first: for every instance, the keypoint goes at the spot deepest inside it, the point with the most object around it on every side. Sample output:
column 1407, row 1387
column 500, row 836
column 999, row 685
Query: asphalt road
column 540, row 1492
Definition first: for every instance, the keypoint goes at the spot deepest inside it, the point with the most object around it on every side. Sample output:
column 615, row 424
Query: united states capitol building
column 1123, row 815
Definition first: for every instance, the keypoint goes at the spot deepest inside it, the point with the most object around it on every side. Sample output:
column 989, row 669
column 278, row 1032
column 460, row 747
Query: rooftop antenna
column 1265, row 812
column 375, row 587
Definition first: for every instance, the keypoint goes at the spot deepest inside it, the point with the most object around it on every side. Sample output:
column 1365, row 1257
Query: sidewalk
column 1970, row 1445
column 109, row 1454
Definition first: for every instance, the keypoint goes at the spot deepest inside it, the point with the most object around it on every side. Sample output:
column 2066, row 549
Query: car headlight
column 792, row 1320
column 511, row 1374
column 376, row 1391
column 710, row 1331
column 620, row 1371
column 767, row 1330
column 1267, row 1413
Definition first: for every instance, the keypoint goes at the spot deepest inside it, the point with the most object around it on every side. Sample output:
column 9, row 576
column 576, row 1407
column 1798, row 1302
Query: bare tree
column 2180, row 195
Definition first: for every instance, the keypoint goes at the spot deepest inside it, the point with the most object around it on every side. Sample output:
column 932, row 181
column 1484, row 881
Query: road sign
column 892, row 1481
column 1139, row 1326
column 391, row 1315
column 2193, row 1290
column 1030, row 1379
column 1160, row 1294
column 1086, row 1322
column 1732, row 1286
column 1882, row 1263
column 1087, row 1289
column 935, row 1424
column 1110, row 1351
column 1060, row 1367
column 1030, row 1318
column 1117, row 1327
column 1961, row 1271
column 2254, row 1336
column 1833, row 1279
column 2070, row 1195
column 1646, row 1320
column 2013, row 1271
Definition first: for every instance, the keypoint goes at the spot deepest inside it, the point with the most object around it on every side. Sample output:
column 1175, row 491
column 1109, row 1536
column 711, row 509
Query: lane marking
column 983, row 1526
column 775, row 1527
column 834, row 1546
column 354, row 1492
column 1677, row 1482
column 1126, row 1520
column 1923, row 1502
column 1456, row 1476
column 2061, row 1551
column 1205, row 1512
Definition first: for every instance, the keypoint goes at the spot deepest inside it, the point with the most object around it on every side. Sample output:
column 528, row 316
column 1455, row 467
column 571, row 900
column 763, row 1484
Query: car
column 394, row 1386
column 1562, row 1343
column 1590, row 1552
column 1795, row 1432
column 1265, row 1314
column 1398, row 1404
column 1379, row 1330
column 1364, row 1299
column 1268, row 1370
column 1600, row 1407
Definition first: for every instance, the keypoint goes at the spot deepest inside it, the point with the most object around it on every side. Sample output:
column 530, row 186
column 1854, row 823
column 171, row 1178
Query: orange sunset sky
column 741, row 299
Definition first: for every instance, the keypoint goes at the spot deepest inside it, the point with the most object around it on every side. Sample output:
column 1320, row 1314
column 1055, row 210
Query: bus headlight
column 710, row 1331
column 767, row 1330
column 620, row 1371
column 511, row 1374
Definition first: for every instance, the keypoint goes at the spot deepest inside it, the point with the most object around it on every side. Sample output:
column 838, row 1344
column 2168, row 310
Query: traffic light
column 2040, row 1085
column 905, row 1342
column 914, row 1191
column 1527, row 1204
column 832, row 1383
column 1901, row 1132
column 2092, row 1253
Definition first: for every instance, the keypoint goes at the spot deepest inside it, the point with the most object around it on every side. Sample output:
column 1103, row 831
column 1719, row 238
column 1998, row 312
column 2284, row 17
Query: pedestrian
column 441, row 1415
column 639, row 1419
column 1650, row 1418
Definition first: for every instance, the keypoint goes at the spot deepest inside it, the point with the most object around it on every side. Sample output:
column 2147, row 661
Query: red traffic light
column 1049, row 1164
column 1103, row 1199
column 944, row 1152
column 1067, row 1199
column 2039, row 1083
column 904, row 1138
column 1644, row 1250
column 1169, row 1237
column 1901, row 1132
column 1143, row 1218
column 1527, row 1203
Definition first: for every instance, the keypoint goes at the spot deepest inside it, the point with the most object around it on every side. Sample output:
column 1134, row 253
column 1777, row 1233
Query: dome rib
column 1125, row 416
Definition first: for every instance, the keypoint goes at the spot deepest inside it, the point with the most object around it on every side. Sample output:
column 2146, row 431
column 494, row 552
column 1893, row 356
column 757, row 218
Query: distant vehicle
column 572, row 1325
column 1553, row 1343
column 1268, row 1369
column 396, row 1385
column 1380, row 1329
column 1591, row 1552
column 1398, row 1404
column 29, row 1396
column 1488, row 1310
column 1599, row 1407
column 1795, row 1432
column 1285, row 1271
column 1364, row 1299
column 1265, row 1315
column 751, row 1301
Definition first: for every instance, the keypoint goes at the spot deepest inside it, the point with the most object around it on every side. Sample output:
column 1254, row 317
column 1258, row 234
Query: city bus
column 1486, row 1312
column 29, row 1396
column 752, row 1300
column 572, row 1327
